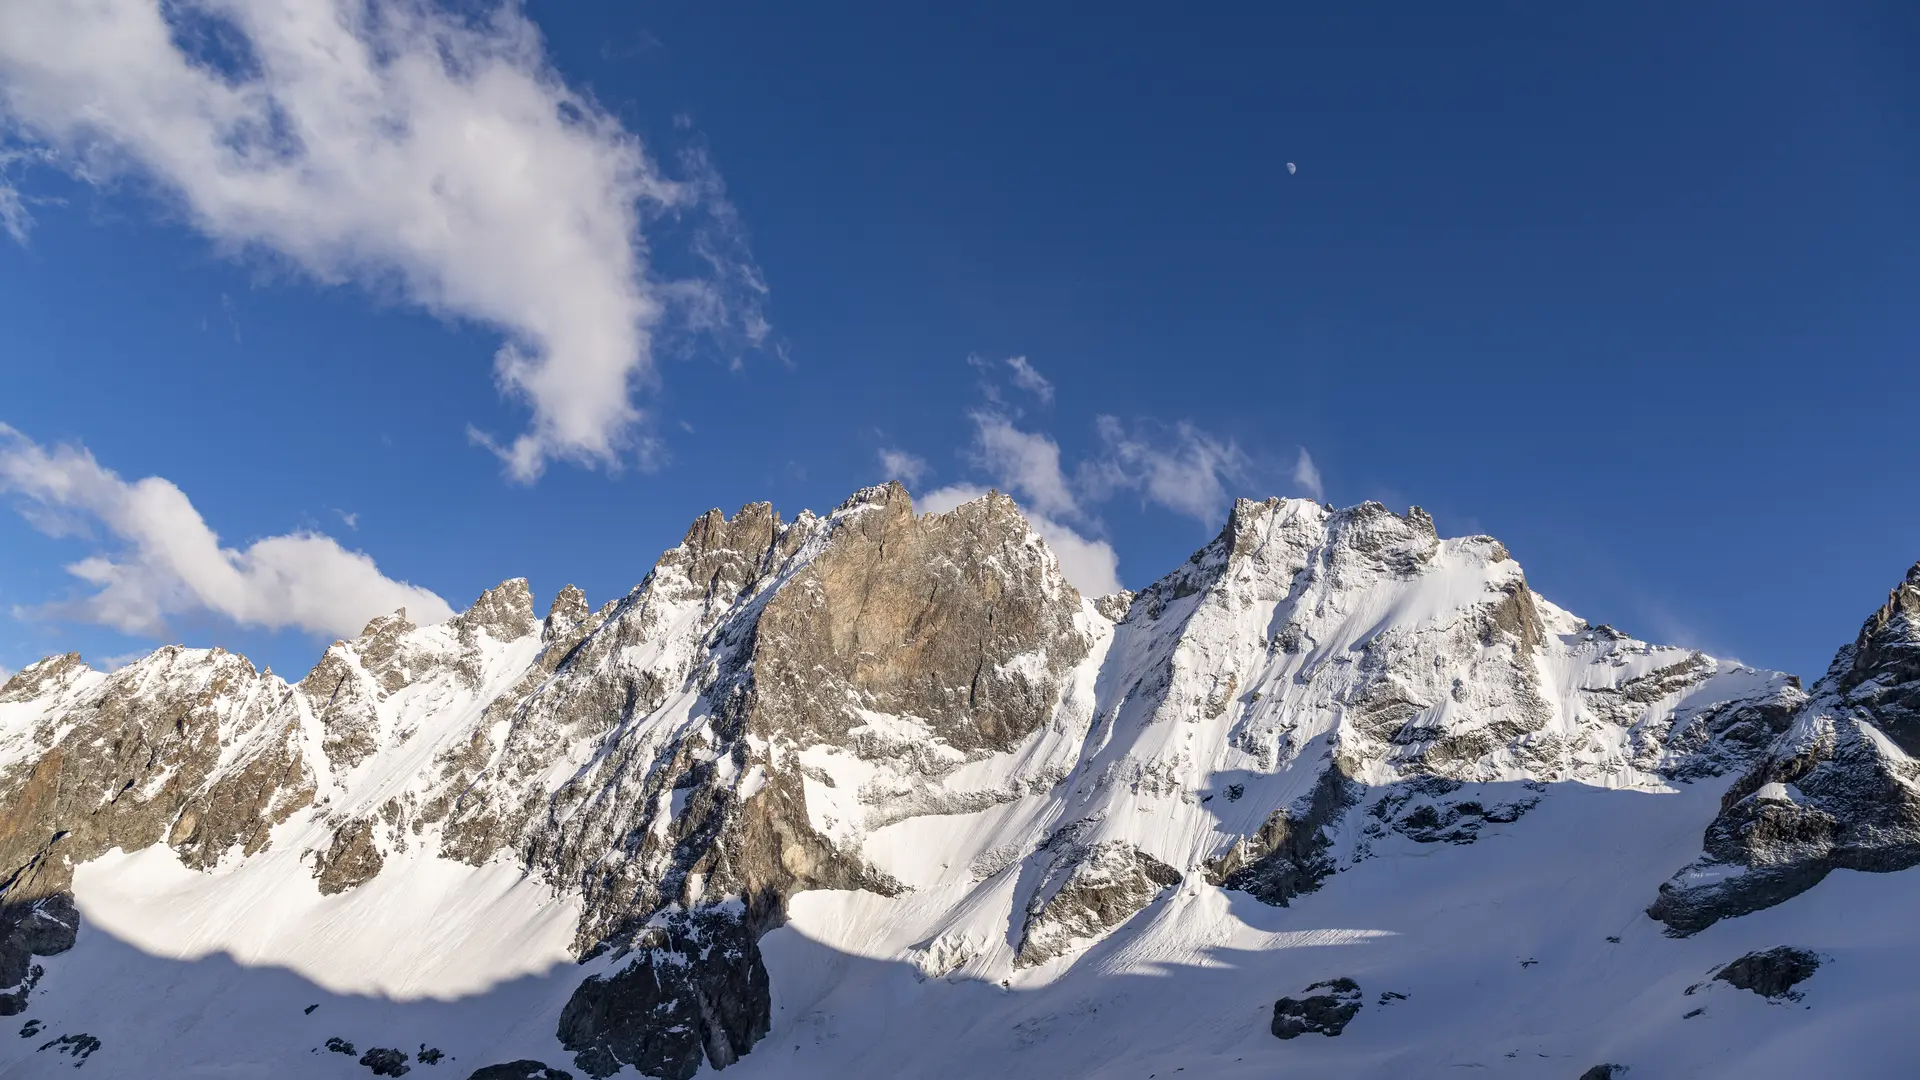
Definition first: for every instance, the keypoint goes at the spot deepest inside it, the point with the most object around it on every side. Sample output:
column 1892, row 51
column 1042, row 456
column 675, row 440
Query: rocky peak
column 187, row 746
column 720, row 555
column 42, row 677
column 961, row 620
column 1249, row 523
column 379, row 650
column 1838, row 789
column 1881, row 671
column 503, row 613
column 390, row 626
column 1370, row 537
column 892, row 494
column 1419, row 519
column 568, row 611
column 1244, row 550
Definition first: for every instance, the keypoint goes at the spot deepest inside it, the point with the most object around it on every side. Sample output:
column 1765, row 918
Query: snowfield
column 479, row 969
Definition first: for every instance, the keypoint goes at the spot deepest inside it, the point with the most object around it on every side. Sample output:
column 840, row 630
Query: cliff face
column 917, row 707
column 1839, row 789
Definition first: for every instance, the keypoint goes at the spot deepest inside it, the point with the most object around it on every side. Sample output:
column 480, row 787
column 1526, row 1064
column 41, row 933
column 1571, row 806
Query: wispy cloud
column 1307, row 475
column 1015, row 369
column 1181, row 468
column 169, row 563
column 1027, row 378
column 15, row 218
column 1024, row 462
column 1176, row 467
column 399, row 144
column 907, row 468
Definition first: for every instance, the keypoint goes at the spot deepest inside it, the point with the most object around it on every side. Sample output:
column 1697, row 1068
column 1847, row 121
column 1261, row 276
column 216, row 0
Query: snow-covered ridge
column 914, row 720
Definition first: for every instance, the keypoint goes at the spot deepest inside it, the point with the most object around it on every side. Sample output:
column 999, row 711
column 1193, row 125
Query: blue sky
column 1629, row 289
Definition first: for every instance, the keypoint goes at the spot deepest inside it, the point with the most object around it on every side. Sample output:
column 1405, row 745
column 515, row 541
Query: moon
column 1291, row 168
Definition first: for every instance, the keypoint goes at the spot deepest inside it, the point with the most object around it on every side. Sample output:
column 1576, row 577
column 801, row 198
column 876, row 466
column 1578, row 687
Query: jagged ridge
column 781, row 707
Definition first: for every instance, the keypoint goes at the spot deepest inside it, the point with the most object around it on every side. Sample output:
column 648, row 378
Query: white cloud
column 14, row 217
column 940, row 500
column 899, row 465
column 1186, row 473
column 1027, row 378
column 1090, row 565
column 171, row 563
column 1177, row 467
column 1023, row 462
column 1307, row 475
column 397, row 143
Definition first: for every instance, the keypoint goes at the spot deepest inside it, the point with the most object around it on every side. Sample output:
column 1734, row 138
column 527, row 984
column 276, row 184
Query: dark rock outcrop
column 1433, row 810
column 385, row 1061
column 1288, row 855
column 1837, row 790
column 45, row 927
column 80, row 1046
column 692, row 987
column 1771, row 973
column 351, row 859
column 1321, row 1014
column 524, row 1069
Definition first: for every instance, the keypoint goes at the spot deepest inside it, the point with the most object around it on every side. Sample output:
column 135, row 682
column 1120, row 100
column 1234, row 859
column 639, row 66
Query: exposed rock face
column 78, row 1045
column 351, row 859
column 44, row 927
column 692, row 987
column 520, row 1070
column 1320, row 1014
column 568, row 614
column 753, row 719
column 1432, row 809
column 1836, row 790
column 1772, row 973
column 1882, row 675
column 190, row 747
column 386, row 1061
column 1093, row 891
column 1288, row 855
column 680, row 804
column 960, row 620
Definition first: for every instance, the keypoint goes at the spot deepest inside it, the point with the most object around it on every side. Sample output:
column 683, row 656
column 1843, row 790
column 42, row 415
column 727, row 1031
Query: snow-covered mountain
column 880, row 794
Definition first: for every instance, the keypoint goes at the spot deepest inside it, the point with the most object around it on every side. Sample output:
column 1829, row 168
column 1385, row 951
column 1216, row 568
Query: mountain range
column 879, row 793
